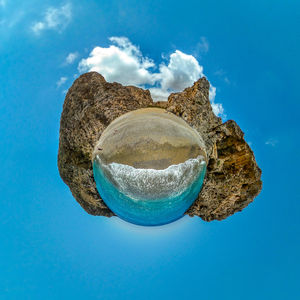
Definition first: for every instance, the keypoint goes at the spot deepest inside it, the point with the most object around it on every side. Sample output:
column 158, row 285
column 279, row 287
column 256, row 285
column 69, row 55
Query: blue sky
column 50, row 248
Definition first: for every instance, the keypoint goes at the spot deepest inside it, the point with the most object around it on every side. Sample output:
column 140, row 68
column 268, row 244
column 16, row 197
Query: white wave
column 150, row 183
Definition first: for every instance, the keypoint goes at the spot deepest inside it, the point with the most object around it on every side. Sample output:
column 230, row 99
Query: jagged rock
column 233, row 177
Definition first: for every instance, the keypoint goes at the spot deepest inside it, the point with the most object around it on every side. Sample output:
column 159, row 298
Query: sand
column 149, row 138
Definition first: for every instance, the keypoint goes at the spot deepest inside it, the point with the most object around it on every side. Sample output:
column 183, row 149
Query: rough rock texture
column 233, row 177
column 91, row 104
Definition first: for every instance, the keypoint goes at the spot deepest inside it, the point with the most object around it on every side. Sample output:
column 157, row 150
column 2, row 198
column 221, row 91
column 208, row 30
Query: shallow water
column 147, row 196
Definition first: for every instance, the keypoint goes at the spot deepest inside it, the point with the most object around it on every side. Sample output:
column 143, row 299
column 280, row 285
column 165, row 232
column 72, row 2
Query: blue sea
column 149, row 197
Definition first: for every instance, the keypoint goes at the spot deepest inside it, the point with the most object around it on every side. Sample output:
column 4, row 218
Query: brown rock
column 91, row 104
column 233, row 177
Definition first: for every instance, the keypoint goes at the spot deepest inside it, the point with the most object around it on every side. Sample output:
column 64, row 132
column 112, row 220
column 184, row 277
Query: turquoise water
column 146, row 196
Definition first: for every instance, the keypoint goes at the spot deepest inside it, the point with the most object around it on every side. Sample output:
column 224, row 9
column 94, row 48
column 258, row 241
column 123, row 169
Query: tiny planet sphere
column 149, row 166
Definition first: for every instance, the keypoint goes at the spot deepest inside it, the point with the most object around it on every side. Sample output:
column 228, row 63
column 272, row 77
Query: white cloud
column 61, row 81
column 38, row 26
column 226, row 79
column 12, row 21
column 222, row 74
column 123, row 62
column 71, row 57
column 54, row 18
column 216, row 107
column 202, row 47
column 212, row 93
column 271, row 142
column 182, row 71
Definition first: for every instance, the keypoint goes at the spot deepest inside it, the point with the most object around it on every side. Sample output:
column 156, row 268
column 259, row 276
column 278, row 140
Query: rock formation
column 233, row 177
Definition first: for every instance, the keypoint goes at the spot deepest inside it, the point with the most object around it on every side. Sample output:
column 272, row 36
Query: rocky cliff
column 233, row 177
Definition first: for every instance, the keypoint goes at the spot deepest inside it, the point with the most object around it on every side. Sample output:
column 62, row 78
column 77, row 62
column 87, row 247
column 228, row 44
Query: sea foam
column 151, row 183
column 147, row 196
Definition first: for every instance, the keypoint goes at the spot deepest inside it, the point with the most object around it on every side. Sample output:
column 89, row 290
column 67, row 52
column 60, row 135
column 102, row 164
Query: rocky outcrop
column 91, row 104
column 233, row 177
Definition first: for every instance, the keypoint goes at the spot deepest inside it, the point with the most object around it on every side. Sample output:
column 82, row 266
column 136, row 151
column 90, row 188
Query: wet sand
column 149, row 138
